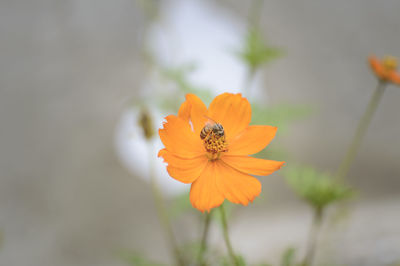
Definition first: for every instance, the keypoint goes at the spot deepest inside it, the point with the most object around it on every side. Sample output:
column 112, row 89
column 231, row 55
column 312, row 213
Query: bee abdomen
column 204, row 132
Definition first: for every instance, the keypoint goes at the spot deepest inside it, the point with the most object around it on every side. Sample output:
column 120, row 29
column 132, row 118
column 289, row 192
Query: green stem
column 361, row 130
column 253, row 24
column 255, row 14
column 203, row 245
column 226, row 236
column 313, row 237
column 162, row 212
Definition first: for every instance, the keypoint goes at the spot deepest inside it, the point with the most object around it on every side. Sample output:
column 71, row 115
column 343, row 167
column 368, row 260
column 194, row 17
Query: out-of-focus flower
column 317, row 188
column 386, row 69
column 146, row 123
column 136, row 151
column 209, row 148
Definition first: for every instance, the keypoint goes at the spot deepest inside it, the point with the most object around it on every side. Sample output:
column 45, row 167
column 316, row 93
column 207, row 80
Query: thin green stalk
column 255, row 14
column 162, row 213
column 203, row 245
column 313, row 237
column 361, row 130
column 226, row 236
column 253, row 24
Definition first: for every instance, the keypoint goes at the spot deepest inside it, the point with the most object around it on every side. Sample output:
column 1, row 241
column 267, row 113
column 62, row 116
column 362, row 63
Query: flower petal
column 236, row 186
column 184, row 111
column 377, row 67
column 183, row 169
column 232, row 111
column 204, row 194
column 198, row 112
column 252, row 140
column 253, row 166
column 178, row 138
column 395, row 77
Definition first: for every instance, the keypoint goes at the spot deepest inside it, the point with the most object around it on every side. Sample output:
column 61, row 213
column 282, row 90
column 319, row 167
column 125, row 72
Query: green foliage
column 288, row 257
column 190, row 252
column 317, row 188
column 136, row 259
column 255, row 52
column 227, row 261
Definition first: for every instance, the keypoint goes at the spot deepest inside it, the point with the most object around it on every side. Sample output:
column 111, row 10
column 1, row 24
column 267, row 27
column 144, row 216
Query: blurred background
column 74, row 75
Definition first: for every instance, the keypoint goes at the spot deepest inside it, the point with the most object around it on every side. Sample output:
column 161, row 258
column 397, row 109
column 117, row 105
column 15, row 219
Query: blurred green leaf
column 227, row 261
column 190, row 252
column 241, row 261
column 136, row 259
column 255, row 52
column 317, row 188
column 288, row 257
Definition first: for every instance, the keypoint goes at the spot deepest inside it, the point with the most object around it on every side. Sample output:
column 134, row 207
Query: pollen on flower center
column 215, row 144
column 390, row 63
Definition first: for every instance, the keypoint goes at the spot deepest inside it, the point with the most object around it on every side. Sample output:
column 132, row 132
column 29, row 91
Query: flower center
column 390, row 63
column 213, row 137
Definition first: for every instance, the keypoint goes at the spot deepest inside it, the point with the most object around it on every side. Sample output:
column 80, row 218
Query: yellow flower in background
column 209, row 148
column 386, row 69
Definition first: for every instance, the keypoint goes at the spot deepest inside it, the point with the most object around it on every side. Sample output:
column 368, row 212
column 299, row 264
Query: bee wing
column 210, row 121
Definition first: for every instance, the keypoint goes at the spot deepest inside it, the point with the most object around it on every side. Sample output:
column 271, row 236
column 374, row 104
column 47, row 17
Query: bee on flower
column 209, row 148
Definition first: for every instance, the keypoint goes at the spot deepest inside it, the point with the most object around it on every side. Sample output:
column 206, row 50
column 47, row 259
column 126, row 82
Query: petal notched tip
column 161, row 153
column 207, row 209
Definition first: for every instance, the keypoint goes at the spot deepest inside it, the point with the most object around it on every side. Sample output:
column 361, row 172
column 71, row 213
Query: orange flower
column 209, row 148
column 386, row 69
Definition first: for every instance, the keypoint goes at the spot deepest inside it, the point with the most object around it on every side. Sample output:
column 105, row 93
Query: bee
column 212, row 127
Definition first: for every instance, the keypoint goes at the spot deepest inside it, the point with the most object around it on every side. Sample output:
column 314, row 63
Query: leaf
column 227, row 261
column 288, row 257
column 255, row 52
column 136, row 259
column 317, row 188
